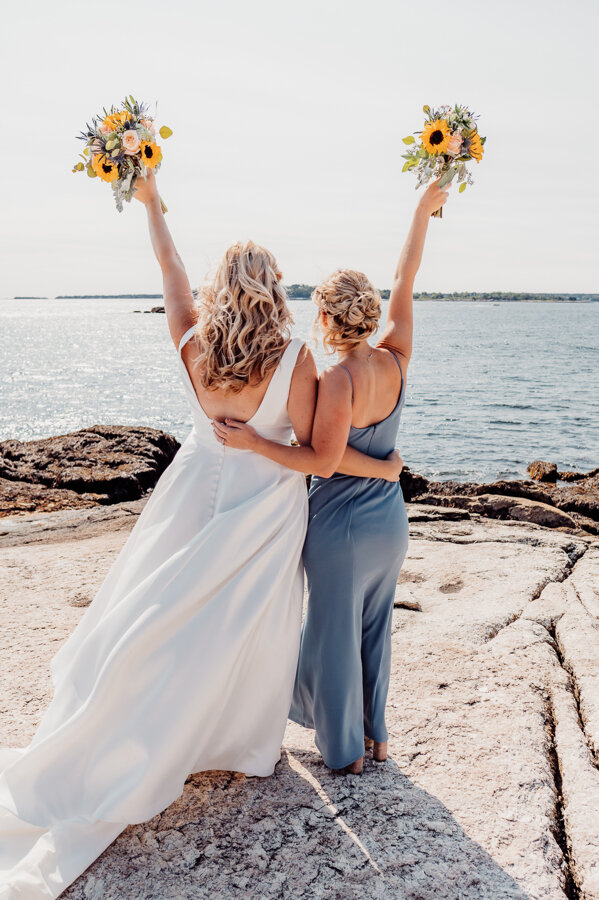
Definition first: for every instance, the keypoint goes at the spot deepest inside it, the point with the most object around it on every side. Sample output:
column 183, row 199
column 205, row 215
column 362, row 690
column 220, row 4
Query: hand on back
column 395, row 466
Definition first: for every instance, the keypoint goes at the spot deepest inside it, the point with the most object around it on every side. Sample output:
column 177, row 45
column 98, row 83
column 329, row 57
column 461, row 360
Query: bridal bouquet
column 120, row 146
column 449, row 141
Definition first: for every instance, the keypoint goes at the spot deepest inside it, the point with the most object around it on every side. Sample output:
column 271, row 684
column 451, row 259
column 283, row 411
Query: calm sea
column 491, row 386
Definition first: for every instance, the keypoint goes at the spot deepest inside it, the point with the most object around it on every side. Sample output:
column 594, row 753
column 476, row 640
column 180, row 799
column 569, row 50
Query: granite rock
column 491, row 789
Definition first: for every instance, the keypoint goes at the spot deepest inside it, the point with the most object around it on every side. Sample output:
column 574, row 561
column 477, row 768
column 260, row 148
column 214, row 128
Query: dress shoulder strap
column 277, row 392
column 186, row 337
column 289, row 357
column 394, row 351
column 351, row 380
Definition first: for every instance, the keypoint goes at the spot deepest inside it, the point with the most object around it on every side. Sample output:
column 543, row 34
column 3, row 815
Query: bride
column 185, row 660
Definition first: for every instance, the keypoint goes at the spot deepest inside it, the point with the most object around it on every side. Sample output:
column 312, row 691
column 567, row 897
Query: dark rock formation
column 97, row 465
column 573, row 505
column 540, row 470
column 113, row 463
column 577, row 476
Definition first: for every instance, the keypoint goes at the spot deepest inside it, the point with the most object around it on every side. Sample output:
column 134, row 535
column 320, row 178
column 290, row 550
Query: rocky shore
column 94, row 466
column 107, row 464
column 491, row 791
column 565, row 500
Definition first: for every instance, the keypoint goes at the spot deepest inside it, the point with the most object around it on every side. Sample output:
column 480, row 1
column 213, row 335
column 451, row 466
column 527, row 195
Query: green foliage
column 409, row 139
column 462, row 187
column 165, row 132
column 446, row 177
column 299, row 291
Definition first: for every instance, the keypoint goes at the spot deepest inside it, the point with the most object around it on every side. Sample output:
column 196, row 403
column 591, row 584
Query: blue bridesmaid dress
column 355, row 545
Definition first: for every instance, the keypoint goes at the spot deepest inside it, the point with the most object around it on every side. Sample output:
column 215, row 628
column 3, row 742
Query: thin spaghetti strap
column 186, row 337
column 351, row 381
column 393, row 353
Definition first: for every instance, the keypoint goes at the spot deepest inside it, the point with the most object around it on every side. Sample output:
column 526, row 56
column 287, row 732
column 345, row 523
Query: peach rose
column 148, row 124
column 131, row 142
column 454, row 144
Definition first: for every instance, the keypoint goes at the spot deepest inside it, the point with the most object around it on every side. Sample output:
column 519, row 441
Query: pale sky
column 287, row 121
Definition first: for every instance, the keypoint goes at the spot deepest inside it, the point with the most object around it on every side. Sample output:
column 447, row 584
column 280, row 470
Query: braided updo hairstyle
column 352, row 307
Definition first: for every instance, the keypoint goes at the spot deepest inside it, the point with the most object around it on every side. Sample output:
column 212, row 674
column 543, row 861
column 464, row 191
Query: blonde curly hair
column 352, row 307
column 244, row 322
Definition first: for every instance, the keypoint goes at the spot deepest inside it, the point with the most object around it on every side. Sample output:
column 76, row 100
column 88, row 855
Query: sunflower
column 476, row 147
column 112, row 121
column 435, row 136
column 104, row 167
column 151, row 154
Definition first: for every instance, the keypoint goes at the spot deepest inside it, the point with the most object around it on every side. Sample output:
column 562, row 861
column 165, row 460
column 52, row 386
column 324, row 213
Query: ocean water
column 491, row 386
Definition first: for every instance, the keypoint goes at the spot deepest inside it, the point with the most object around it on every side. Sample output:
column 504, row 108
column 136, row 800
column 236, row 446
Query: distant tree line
column 304, row 292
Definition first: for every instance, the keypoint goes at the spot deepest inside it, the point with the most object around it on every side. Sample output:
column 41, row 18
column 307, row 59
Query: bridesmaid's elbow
column 325, row 469
column 325, row 472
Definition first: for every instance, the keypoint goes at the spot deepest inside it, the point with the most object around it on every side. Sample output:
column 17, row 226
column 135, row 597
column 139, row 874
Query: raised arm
column 398, row 330
column 179, row 304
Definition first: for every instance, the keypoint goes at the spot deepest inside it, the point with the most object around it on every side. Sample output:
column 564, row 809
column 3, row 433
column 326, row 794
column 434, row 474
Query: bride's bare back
column 220, row 404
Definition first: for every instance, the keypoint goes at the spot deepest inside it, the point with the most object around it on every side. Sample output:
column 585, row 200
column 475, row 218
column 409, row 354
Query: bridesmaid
column 358, row 528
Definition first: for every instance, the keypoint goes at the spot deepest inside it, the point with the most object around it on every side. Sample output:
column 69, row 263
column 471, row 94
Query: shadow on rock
column 304, row 833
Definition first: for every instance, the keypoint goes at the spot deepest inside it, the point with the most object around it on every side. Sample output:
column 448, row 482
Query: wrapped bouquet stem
column 120, row 147
column 443, row 149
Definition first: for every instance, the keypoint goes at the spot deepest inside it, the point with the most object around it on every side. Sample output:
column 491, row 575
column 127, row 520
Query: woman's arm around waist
column 324, row 450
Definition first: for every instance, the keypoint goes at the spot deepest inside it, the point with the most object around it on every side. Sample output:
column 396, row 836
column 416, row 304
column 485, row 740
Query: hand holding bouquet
column 121, row 146
column 449, row 141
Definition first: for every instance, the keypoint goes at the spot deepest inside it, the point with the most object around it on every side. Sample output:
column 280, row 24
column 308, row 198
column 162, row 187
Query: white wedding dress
column 184, row 661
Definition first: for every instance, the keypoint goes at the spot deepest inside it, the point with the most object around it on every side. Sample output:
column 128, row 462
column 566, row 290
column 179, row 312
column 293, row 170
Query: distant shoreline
column 304, row 292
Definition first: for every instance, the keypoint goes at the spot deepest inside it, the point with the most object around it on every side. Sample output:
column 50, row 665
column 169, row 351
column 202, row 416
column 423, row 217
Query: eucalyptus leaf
column 446, row 177
column 410, row 139
column 462, row 187
column 426, row 110
column 79, row 166
column 423, row 154
column 165, row 132
column 86, row 151
column 91, row 172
